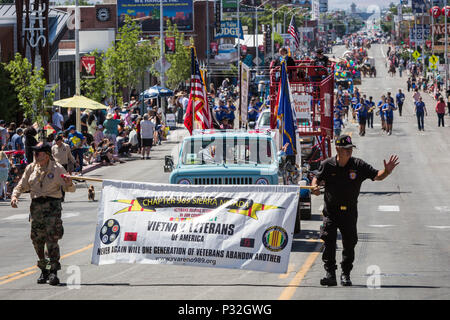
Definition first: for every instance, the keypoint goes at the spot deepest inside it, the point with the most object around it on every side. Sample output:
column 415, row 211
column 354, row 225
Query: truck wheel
column 305, row 212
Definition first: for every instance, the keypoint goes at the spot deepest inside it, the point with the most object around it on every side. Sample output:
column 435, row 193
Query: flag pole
column 81, row 178
column 78, row 178
column 193, row 56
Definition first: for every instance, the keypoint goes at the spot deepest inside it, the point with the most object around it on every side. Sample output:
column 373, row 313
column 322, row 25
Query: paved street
column 403, row 228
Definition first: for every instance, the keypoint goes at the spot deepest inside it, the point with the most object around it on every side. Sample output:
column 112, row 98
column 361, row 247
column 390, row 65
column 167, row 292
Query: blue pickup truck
column 233, row 158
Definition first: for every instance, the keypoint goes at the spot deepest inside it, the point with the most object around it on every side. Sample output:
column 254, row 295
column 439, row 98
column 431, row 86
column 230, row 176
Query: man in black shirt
column 321, row 59
column 343, row 176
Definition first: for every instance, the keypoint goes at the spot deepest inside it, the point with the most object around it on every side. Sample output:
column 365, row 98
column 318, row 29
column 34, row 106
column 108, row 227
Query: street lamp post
column 446, row 53
column 256, row 32
column 77, row 64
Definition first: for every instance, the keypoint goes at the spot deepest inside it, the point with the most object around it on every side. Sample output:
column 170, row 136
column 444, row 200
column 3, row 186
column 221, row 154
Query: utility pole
column 207, row 43
column 162, row 46
column 446, row 53
column 238, row 44
column 77, row 63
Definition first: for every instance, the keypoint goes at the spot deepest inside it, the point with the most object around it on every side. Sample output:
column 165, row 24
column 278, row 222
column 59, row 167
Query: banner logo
column 275, row 239
column 110, row 231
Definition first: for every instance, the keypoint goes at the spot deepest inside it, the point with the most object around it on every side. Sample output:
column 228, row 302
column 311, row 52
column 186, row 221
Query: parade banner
column 302, row 106
column 245, row 84
column 242, row 227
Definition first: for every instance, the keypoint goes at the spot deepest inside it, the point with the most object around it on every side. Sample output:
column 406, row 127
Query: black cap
column 344, row 141
column 43, row 147
column 319, row 51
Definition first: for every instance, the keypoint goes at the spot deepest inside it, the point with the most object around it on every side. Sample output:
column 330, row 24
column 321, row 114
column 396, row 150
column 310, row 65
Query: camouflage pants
column 46, row 230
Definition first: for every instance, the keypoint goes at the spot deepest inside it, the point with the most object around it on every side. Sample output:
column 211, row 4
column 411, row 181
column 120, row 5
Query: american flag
column 294, row 32
column 198, row 102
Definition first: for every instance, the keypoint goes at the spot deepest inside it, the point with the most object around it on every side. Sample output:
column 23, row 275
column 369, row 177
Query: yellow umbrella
column 79, row 102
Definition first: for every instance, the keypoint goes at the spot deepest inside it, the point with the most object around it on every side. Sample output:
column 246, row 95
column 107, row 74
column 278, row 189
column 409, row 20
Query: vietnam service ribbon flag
column 285, row 115
column 198, row 113
column 244, row 227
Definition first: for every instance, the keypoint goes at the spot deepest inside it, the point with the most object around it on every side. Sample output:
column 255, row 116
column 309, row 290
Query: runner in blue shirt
column 370, row 109
column 339, row 110
column 400, row 98
column 388, row 109
column 337, row 125
column 361, row 109
column 420, row 111
column 379, row 112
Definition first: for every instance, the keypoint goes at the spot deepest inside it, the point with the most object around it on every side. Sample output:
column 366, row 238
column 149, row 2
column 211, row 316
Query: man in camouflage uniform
column 44, row 179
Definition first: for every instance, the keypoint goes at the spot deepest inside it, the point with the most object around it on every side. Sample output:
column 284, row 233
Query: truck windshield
column 265, row 119
column 228, row 150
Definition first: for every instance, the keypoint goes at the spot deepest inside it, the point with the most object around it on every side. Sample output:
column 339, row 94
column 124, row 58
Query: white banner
column 302, row 106
column 245, row 82
column 242, row 227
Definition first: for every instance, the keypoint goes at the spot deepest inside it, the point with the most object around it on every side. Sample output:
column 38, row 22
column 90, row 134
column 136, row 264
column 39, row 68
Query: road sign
column 419, row 6
column 419, row 33
column 416, row 54
column 432, row 66
column 433, row 59
column 166, row 65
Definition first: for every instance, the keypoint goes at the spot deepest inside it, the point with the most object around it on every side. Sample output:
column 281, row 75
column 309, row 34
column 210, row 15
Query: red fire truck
column 316, row 84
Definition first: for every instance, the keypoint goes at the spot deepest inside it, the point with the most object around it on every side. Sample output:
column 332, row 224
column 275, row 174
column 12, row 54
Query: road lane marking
column 295, row 282
column 32, row 270
column 442, row 208
column 439, row 227
column 17, row 217
column 381, row 225
column 389, row 208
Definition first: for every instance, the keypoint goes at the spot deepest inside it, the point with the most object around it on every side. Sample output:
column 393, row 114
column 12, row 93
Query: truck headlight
column 184, row 181
column 262, row 181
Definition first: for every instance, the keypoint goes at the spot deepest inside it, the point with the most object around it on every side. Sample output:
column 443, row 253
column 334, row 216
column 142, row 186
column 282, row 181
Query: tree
column 127, row 61
column 9, row 106
column 29, row 85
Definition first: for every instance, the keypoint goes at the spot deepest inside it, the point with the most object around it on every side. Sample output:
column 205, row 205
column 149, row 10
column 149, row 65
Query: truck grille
column 227, row 180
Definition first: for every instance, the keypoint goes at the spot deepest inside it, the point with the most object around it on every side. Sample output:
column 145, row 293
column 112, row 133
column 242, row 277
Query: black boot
column 329, row 280
column 53, row 278
column 345, row 279
column 43, row 277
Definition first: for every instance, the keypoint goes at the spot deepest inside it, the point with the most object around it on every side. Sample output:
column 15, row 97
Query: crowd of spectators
column 106, row 137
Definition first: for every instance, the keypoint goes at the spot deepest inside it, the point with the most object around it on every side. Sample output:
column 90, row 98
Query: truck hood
column 225, row 170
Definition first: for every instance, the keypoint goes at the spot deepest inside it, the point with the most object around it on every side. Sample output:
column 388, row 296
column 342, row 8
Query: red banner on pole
column 87, row 67
column 170, row 45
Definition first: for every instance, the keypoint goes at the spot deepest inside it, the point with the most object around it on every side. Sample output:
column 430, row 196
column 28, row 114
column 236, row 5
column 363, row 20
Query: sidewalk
column 174, row 136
